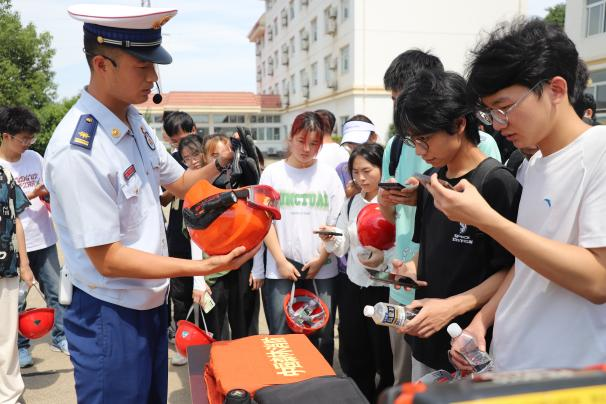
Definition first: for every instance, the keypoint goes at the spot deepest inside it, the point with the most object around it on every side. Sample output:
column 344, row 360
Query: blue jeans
column 274, row 291
column 46, row 268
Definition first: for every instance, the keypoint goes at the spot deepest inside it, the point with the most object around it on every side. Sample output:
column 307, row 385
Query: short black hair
column 582, row 77
column 176, row 121
column 328, row 119
column 372, row 152
column 586, row 101
column 523, row 52
column 434, row 101
column 14, row 120
column 406, row 65
column 93, row 48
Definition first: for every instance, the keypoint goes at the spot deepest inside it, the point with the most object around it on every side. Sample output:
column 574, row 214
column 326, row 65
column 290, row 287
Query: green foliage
column 26, row 78
column 50, row 115
column 556, row 14
column 391, row 131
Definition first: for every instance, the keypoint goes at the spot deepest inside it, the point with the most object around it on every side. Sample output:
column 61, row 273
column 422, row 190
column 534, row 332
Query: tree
column 26, row 78
column 50, row 115
column 556, row 14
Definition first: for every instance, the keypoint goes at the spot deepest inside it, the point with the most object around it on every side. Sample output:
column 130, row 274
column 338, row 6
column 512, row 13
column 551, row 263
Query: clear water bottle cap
column 454, row 330
column 369, row 311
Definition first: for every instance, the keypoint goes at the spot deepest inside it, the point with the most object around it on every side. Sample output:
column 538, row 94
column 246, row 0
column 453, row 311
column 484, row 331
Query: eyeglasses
column 488, row 116
column 421, row 141
column 25, row 142
column 196, row 156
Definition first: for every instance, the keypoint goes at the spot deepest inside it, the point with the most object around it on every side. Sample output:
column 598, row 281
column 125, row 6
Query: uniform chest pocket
column 130, row 203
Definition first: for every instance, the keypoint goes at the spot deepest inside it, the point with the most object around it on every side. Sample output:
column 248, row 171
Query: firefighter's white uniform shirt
column 104, row 186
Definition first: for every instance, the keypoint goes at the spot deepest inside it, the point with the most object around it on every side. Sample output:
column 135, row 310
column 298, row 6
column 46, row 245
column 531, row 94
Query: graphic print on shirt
column 461, row 237
column 318, row 200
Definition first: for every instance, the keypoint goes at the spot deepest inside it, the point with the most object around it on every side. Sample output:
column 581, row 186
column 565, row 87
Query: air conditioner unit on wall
column 331, row 82
column 331, row 26
column 333, row 64
column 285, row 59
column 305, row 91
column 284, row 18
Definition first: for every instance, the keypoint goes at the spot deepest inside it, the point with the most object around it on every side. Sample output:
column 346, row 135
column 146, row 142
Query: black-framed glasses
column 25, row 142
column 421, row 141
column 489, row 115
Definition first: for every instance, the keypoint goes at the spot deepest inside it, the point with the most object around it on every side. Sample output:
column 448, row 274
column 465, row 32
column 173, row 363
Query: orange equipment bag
column 261, row 360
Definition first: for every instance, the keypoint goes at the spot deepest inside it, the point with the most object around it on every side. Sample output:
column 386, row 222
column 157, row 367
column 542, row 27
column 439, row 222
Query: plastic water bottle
column 466, row 345
column 391, row 315
column 23, row 291
column 65, row 287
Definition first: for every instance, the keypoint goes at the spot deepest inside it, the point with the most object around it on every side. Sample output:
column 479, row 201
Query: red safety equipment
column 219, row 221
column 36, row 323
column 189, row 334
column 374, row 230
column 305, row 311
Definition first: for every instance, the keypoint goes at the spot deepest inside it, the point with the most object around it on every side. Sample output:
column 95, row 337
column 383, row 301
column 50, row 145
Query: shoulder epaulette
column 85, row 132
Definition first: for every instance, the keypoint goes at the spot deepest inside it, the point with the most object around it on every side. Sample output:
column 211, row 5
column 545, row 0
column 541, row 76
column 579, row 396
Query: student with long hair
column 311, row 195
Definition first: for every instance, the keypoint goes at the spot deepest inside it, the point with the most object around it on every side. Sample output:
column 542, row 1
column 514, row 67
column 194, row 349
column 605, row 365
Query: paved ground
column 51, row 379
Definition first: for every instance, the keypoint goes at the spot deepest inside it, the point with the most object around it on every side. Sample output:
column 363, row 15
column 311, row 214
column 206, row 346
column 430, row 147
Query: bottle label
column 394, row 316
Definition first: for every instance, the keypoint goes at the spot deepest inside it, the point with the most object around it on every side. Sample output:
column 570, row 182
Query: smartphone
column 391, row 279
column 395, row 186
column 327, row 233
column 426, row 179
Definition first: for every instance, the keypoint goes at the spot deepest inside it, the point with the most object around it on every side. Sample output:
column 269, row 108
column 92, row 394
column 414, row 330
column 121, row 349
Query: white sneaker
column 178, row 360
column 61, row 347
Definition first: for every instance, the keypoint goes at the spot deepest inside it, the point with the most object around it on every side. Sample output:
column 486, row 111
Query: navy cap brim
column 157, row 54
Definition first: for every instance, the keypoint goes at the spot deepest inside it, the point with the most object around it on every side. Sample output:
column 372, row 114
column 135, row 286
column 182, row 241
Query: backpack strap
column 395, row 153
column 349, row 203
column 514, row 162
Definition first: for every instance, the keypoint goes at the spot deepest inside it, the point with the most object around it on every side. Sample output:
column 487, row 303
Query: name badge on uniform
column 129, row 172
column 148, row 139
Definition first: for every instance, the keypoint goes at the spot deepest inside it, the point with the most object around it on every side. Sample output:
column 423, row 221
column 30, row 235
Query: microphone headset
column 157, row 99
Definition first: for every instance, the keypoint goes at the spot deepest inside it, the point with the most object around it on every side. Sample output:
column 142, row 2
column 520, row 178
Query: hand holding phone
column 390, row 278
column 395, row 186
column 426, row 179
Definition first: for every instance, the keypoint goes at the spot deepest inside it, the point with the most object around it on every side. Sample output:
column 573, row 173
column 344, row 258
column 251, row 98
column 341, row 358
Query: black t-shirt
column 454, row 257
column 178, row 244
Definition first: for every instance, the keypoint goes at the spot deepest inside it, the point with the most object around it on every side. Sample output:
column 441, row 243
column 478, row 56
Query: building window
column 314, row 74
column 345, row 59
column 598, row 89
column 284, row 86
column 276, row 60
column 314, row 30
column 200, row 118
column 344, row 10
column 276, row 133
column 292, row 84
column 291, row 8
column 276, row 26
column 596, row 16
column 342, row 120
column 276, row 89
column 292, row 45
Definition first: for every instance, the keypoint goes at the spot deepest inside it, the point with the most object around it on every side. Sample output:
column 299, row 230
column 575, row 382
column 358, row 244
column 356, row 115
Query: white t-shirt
column 538, row 323
column 350, row 243
column 332, row 154
column 309, row 197
column 36, row 220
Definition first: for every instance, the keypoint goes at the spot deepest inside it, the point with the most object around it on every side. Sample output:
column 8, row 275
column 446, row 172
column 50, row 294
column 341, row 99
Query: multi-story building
column 332, row 54
column 586, row 26
column 222, row 112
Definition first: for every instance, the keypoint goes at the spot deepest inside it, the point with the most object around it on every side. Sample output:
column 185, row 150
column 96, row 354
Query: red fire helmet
column 36, row 323
column 374, row 230
column 305, row 311
column 189, row 334
column 220, row 220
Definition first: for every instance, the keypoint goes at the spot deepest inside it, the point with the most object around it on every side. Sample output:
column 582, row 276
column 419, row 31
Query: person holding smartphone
column 365, row 344
column 311, row 195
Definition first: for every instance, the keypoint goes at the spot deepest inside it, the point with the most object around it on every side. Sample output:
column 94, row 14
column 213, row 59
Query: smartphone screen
column 327, row 233
column 396, row 186
column 391, row 279
column 426, row 179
